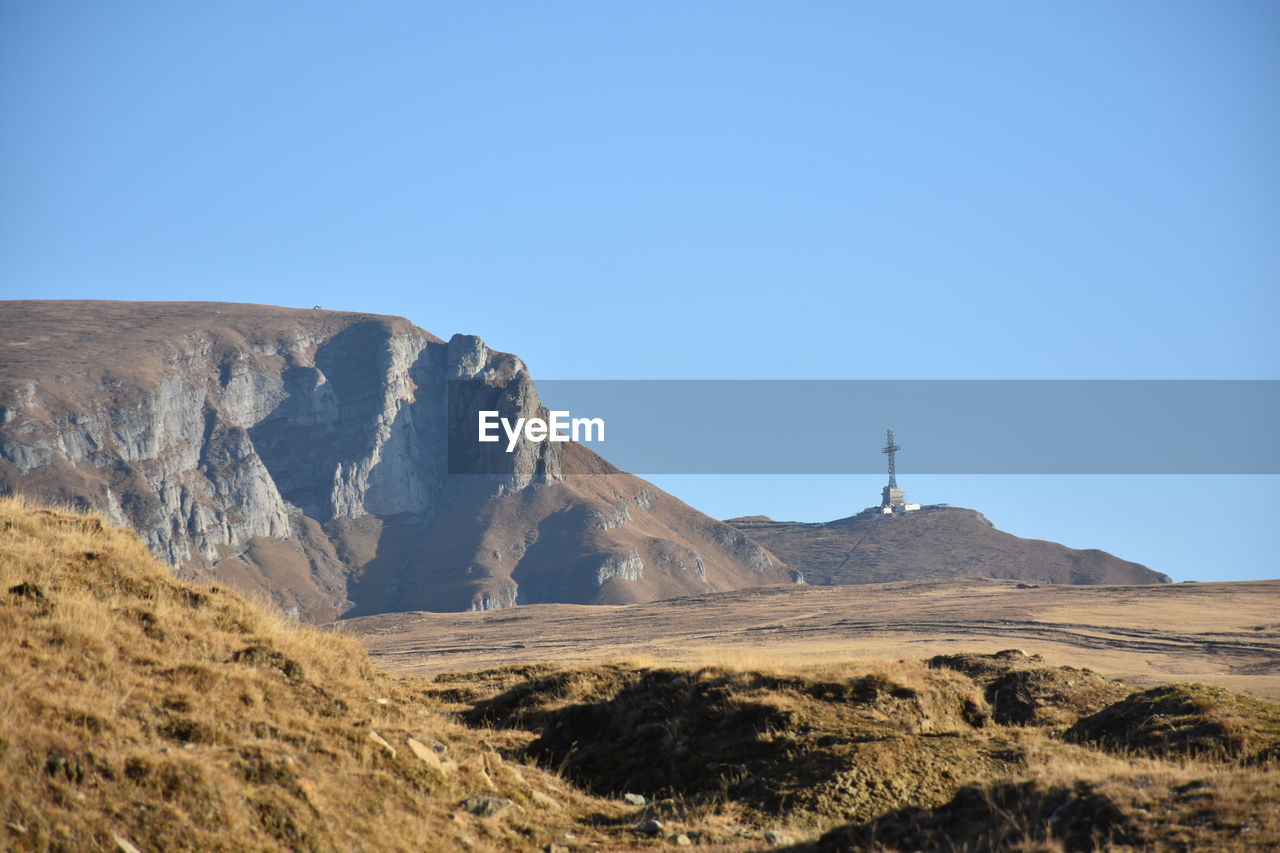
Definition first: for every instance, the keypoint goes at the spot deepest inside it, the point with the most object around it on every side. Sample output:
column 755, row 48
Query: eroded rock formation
column 306, row 455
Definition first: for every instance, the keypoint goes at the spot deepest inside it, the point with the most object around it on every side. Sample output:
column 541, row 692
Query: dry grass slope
column 178, row 718
column 905, row 755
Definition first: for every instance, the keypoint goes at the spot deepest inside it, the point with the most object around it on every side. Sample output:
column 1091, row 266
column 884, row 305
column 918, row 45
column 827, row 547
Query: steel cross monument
column 891, row 448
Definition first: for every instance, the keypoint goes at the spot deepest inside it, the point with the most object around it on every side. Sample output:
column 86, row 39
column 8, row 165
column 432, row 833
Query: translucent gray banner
column 943, row 426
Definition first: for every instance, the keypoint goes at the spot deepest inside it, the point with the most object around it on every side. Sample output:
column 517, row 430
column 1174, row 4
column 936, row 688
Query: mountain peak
column 312, row 456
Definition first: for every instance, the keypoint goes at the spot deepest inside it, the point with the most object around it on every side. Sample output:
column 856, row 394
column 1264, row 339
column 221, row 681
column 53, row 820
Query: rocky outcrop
column 234, row 437
column 307, row 455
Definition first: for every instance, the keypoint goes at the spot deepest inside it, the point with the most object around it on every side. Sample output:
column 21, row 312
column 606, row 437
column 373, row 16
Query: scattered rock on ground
column 1186, row 720
column 427, row 755
column 124, row 844
column 382, row 742
column 486, row 806
column 651, row 826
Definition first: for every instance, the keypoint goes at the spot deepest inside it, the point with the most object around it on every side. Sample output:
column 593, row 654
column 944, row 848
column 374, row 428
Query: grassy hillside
column 141, row 713
column 138, row 708
column 959, row 752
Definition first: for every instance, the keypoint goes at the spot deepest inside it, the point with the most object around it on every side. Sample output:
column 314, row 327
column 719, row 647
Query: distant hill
column 936, row 542
column 312, row 457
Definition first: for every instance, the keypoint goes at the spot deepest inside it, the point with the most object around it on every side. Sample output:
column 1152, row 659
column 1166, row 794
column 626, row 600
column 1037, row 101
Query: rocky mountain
column 934, row 542
column 306, row 455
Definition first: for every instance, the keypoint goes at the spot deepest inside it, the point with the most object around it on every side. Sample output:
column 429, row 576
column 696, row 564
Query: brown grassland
column 1226, row 634
column 141, row 713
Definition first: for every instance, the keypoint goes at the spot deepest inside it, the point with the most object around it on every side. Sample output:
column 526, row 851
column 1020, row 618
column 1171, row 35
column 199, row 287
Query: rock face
column 306, row 455
column 936, row 542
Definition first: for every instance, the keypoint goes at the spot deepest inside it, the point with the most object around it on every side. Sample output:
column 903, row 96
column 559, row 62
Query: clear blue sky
column 698, row 190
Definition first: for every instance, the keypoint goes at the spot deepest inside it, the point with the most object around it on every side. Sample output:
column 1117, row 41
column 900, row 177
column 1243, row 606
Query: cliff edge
column 305, row 455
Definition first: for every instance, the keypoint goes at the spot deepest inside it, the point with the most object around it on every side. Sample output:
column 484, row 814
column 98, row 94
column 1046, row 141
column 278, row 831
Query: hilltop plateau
column 933, row 542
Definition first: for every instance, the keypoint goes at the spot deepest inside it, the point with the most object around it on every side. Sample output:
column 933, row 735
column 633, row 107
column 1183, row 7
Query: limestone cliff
column 305, row 455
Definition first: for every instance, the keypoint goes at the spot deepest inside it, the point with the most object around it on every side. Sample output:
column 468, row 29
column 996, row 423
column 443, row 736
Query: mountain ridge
column 934, row 542
column 308, row 455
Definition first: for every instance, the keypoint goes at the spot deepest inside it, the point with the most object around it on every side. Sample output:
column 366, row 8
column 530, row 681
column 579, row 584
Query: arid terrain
column 142, row 713
column 1219, row 633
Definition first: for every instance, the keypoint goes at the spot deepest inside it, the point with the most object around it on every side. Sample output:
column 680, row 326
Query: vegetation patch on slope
column 1021, row 691
column 777, row 744
column 957, row 752
column 1136, row 806
column 1186, row 720
column 138, row 710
